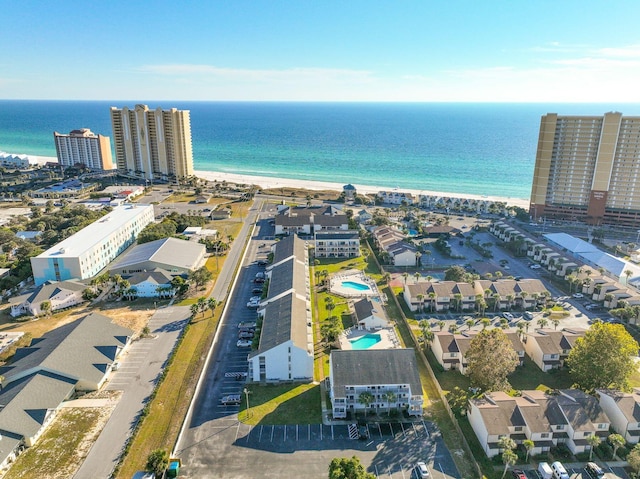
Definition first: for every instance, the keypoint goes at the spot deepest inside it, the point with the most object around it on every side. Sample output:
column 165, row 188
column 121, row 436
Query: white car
column 578, row 295
column 508, row 316
column 535, row 266
column 253, row 304
column 421, row 470
column 244, row 343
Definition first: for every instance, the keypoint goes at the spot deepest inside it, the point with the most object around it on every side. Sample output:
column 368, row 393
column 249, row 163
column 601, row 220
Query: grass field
column 282, row 404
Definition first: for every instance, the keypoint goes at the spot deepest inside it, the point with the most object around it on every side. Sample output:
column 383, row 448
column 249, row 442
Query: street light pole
column 246, row 395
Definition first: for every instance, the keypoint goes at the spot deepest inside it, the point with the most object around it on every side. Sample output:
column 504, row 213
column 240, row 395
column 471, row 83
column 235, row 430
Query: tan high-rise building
column 153, row 144
column 588, row 168
column 85, row 147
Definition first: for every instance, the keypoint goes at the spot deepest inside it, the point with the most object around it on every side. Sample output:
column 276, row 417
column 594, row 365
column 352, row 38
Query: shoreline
column 267, row 182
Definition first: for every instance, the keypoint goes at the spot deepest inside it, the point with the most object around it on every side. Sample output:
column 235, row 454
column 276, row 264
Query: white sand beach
column 267, row 182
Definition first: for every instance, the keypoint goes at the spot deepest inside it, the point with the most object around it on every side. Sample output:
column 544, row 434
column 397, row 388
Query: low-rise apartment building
column 567, row 416
column 548, row 349
column 389, row 376
column 623, row 409
column 337, row 244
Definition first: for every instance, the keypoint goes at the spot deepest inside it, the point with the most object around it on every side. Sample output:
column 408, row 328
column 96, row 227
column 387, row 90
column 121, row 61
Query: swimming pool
column 366, row 341
column 356, row 286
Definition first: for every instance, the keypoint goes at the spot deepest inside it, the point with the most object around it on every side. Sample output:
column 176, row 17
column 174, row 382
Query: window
column 544, row 435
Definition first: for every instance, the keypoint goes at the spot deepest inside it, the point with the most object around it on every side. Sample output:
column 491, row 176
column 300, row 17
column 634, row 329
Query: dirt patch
column 64, row 445
column 330, row 195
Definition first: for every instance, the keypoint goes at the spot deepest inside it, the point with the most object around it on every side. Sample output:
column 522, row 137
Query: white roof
column 192, row 230
column 91, row 235
column 571, row 243
column 592, row 255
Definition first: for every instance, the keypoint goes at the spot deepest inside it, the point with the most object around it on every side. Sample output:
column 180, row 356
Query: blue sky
column 401, row 50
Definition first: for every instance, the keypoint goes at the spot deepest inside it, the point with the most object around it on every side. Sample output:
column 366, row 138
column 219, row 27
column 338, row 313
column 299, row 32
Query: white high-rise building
column 153, row 144
column 85, row 147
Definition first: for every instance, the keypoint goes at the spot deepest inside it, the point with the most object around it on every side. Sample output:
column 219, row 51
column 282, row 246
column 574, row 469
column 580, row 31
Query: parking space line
column 376, row 468
column 414, row 428
column 426, row 429
column 237, row 430
column 249, row 433
column 393, row 434
column 379, row 430
column 285, row 433
column 403, row 433
column 272, row 428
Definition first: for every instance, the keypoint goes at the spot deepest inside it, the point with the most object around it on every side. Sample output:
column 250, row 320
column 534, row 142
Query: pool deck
column 355, row 276
column 388, row 338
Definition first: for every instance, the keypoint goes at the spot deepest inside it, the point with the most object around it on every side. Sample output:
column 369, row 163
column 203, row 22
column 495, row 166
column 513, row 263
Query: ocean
column 472, row 148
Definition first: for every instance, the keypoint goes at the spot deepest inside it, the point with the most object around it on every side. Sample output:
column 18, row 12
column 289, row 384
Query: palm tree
column 432, row 300
column 194, row 308
column 556, row 322
column 417, row 275
column 528, row 446
column 510, row 298
column 405, row 276
column 389, row 397
column 508, row 456
column 628, row 274
column 202, row 303
column 616, row 441
column 470, row 323
column 594, row 441
column 45, row 307
column 366, row 398
column 523, row 296
column 212, row 304
column 542, row 323
column 496, row 301
column 485, row 322
column 458, row 299
column 420, row 298
column 441, row 324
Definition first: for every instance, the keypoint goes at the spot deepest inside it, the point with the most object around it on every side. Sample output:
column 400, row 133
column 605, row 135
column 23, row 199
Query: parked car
column 253, row 304
column 421, row 470
column 508, row 316
column 259, row 275
column 594, row 470
column 528, row 315
column 247, row 325
column 262, row 262
column 517, row 474
column 578, row 295
column 245, row 335
column 535, row 266
column 230, row 399
column 256, row 291
column 258, row 280
column 243, row 343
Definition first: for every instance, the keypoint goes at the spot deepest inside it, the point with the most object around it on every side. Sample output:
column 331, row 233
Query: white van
column 544, row 469
column 559, row 472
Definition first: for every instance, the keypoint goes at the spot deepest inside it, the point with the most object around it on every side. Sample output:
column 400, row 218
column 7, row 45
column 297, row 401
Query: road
column 137, row 375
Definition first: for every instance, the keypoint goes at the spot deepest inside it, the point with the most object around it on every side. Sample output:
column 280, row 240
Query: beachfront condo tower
column 152, row 144
column 588, row 169
column 84, row 147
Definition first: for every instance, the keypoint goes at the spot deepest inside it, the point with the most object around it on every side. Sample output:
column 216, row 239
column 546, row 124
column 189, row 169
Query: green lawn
column 282, row 404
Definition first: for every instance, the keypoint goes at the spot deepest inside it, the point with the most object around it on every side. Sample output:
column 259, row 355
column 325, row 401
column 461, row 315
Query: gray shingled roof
column 628, row 403
column 284, row 319
column 374, row 367
column 289, row 246
column 158, row 276
column 27, row 401
column 363, row 309
column 171, row 251
column 337, row 235
column 287, row 275
column 49, row 289
column 81, row 350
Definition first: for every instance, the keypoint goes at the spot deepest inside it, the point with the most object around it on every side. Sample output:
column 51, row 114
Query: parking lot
column 578, row 472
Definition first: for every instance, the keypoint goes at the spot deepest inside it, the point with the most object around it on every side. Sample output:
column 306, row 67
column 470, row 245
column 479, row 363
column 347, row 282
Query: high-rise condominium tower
column 588, row 168
column 84, row 146
column 153, row 144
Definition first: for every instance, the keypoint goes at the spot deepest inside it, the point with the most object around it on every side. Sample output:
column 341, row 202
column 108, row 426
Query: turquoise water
column 475, row 148
column 356, row 286
column 366, row 341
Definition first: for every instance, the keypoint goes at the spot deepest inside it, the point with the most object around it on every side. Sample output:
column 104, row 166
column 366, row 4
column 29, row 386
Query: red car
column 518, row 474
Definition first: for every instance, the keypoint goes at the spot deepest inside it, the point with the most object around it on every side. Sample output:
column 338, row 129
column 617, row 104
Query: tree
column 343, row 468
column 528, row 446
column 389, row 397
column 491, row 358
column 158, row 462
column 603, row 358
column 194, row 308
column 633, row 458
column 45, row 307
column 458, row 400
column 366, row 398
column 212, row 304
column 201, row 276
column 455, row 273
column 617, row 441
column 593, row 441
column 509, row 457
